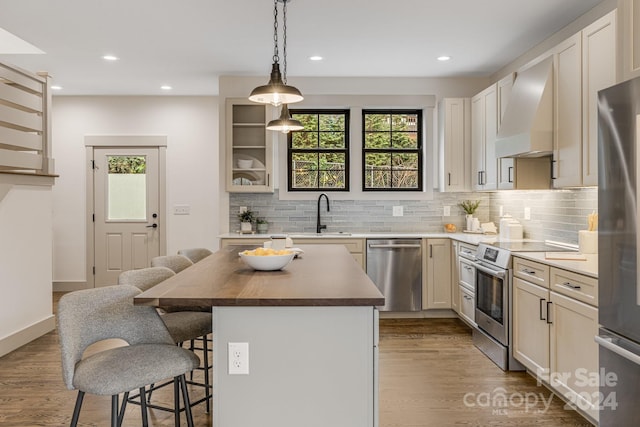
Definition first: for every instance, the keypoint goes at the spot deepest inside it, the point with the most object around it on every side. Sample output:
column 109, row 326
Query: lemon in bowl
column 267, row 259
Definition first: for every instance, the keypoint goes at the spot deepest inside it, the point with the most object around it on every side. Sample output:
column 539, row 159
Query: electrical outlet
column 501, row 209
column 398, row 211
column 527, row 213
column 181, row 209
column 243, row 209
column 446, row 211
column 238, row 355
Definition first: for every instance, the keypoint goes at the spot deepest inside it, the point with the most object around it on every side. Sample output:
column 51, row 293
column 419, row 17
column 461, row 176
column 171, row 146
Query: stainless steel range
column 493, row 298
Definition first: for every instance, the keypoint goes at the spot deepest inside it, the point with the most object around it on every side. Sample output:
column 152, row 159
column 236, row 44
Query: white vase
column 469, row 226
column 245, row 227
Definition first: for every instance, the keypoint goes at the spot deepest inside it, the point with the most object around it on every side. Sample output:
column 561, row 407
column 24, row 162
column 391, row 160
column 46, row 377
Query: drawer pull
column 542, row 300
column 571, row 285
column 527, row 271
column 468, row 268
column 548, row 311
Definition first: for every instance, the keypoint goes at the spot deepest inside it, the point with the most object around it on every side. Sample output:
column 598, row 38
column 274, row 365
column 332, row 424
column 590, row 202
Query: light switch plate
column 181, row 209
column 398, row 211
column 527, row 213
column 446, row 211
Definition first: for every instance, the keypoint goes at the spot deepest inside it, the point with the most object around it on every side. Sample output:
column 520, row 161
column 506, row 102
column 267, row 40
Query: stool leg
column 76, row 409
column 143, row 406
column 187, row 402
column 192, row 345
column 114, row 410
column 125, row 399
column 176, row 401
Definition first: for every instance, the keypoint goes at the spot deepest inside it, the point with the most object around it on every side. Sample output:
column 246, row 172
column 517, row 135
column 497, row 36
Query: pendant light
column 284, row 123
column 277, row 92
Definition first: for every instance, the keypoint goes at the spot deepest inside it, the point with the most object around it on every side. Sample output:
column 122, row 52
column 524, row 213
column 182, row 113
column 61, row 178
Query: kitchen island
column 312, row 334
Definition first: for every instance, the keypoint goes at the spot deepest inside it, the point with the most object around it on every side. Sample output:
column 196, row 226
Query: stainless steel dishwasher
column 395, row 266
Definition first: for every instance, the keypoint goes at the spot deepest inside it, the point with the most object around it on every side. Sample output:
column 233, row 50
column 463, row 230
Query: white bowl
column 268, row 262
column 244, row 164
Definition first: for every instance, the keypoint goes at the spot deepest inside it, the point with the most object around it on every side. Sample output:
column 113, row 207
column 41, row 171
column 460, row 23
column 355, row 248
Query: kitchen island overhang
column 312, row 334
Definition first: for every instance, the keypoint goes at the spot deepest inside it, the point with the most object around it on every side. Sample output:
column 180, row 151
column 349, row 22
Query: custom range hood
column 527, row 123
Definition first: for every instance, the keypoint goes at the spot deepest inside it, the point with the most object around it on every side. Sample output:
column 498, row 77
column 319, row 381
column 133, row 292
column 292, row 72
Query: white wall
column 25, row 265
column 191, row 127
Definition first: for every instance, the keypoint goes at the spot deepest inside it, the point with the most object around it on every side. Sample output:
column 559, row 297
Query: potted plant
column 469, row 207
column 246, row 218
column 262, row 225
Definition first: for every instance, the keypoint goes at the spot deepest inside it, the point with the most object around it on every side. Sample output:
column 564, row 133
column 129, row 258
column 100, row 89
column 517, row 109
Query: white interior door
column 127, row 223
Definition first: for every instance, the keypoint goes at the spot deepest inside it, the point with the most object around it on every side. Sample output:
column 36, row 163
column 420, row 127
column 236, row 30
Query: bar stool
column 177, row 263
column 89, row 316
column 195, row 254
column 184, row 325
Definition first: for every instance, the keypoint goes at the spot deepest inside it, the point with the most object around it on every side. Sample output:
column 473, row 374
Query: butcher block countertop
column 325, row 275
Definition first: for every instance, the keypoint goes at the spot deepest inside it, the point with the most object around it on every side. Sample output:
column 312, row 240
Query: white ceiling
column 189, row 43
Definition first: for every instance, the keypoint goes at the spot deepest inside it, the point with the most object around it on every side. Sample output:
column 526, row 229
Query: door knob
column 152, row 226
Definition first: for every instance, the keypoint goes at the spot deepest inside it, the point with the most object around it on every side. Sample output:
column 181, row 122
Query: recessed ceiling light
column 444, row 58
column 110, row 58
column 315, row 58
column 56, row 87
column 166, row 87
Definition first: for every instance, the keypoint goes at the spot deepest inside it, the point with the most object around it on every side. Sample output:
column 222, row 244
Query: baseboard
column 26, row 335
column 425, row 314
column 69, row 286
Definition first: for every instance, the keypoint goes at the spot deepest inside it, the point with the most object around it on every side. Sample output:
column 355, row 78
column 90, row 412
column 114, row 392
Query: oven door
column 492, row 308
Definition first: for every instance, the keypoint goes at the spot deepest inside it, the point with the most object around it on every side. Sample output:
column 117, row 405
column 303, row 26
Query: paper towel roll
column 588, row 242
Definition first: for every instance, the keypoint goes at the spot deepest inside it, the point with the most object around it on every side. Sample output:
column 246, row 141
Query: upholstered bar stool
column 183, row 325
column 89, row 316
column 195, row 254
column 177, row 263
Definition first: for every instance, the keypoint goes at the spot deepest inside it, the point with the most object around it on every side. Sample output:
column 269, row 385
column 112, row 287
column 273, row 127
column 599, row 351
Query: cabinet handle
column 449, row 178
column 468, row 268
column 484, row 181
column 542, row 300
column 479, row 177
column 571, row 285
column 532, row 272
column 548, row 312
column 553, row 166
column 268, row 177
column 430, row 251
column 509, row 171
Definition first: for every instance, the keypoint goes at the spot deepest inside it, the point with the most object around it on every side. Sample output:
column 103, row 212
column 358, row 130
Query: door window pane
column 127, row 188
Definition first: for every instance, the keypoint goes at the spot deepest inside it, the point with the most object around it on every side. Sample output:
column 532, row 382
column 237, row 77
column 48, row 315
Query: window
column 392, row 150
column 318, row 155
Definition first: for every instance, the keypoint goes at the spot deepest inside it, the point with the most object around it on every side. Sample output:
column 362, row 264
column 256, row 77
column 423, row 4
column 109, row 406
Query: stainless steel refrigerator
column 618, row 242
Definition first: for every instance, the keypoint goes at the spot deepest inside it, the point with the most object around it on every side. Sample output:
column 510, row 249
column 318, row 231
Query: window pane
column 405, row 179
column 304, row 171
column 309, row 121
column 332, row 140
column 332, row 170
column 332, row 122
column 405, row 122
column 377, row 140
column 377, row 122
column 377, row 170
column 304, row 140
column 127, row 188
column 405, row 140
column 405, row 161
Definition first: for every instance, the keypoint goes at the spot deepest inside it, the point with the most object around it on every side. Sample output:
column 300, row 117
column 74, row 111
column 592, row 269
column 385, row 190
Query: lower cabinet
column 437, row 260
column 467, row 305
column 553, row 336
column 455, row 289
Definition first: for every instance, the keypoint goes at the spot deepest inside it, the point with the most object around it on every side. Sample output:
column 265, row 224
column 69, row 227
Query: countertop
column 326, row 275
column 588, row 267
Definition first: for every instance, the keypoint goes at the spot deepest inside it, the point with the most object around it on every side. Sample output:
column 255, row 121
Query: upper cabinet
column 583, row 64
column 484, row 128
column 249, row 159
column 629, row 36
column 454, row 139
column 598, row 72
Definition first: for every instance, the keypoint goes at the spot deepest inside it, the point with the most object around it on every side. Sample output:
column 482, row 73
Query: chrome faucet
column 320, row 227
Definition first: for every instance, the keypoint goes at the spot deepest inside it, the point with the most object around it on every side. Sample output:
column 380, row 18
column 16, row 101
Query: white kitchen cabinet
column 249, row 154
column 454, row 142
column 505, row 164
column 530, row 327
column 598, row 72
column 583, row 64
column 553, row 332
column 484, row 128
column 455, row 289
column 629, row 35
column 468, row 306
column 438, row 274
column 574, row 353
column 567, row 105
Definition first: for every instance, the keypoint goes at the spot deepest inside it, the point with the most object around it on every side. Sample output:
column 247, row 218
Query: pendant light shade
column 284, row 123
column 277, row 92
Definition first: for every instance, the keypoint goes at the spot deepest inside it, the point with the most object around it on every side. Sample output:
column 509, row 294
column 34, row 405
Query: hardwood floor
column 430, row 375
